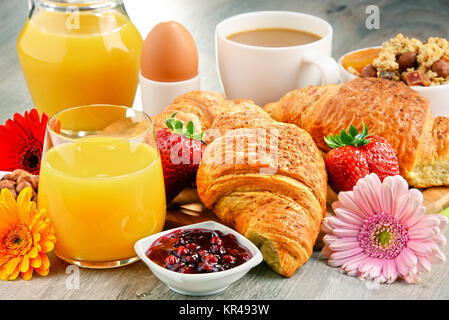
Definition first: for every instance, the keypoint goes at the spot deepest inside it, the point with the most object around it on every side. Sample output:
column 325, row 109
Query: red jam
column 198, row 251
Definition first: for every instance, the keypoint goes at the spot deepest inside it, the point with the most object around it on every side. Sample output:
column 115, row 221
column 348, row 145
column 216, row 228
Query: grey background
column 315, row 280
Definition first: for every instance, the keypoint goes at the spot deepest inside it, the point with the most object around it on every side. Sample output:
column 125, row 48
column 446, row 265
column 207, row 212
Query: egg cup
column 157, row 95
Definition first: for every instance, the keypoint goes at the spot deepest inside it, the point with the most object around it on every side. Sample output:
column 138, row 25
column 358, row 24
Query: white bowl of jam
column 198, row 259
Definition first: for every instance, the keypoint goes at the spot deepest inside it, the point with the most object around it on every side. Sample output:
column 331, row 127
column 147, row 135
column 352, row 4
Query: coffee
column 274, row 37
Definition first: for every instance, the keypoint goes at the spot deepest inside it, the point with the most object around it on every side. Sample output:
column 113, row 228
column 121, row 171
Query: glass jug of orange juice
column 79, row 52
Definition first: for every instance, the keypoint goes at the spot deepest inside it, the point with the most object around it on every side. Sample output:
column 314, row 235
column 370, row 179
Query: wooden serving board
column 187, row 208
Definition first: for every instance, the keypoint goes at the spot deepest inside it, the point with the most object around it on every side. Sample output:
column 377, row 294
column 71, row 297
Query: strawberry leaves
column 177, row 126
column 352, row 137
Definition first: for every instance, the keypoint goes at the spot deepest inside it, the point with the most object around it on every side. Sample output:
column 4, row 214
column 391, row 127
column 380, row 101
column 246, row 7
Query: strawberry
column 345, row 166
column 355, row 154
column 381, row 157
column 181, row 151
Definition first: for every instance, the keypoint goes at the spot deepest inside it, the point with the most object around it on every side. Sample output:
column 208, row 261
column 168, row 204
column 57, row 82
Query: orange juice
column 90, row 59
column 102, row 194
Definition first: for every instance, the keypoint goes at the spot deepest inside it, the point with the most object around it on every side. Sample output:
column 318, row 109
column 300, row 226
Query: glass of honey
column 101, row 183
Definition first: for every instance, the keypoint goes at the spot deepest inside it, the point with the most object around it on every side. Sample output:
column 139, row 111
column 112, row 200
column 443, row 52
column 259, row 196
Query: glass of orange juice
column 101, row 183
column 79, row 52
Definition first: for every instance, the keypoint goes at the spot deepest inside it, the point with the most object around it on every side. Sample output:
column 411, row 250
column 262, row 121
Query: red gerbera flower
column 21, row 142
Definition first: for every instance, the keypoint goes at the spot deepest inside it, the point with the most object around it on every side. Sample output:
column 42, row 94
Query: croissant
column 267, row 180
column 389, row 109
column 200, row 107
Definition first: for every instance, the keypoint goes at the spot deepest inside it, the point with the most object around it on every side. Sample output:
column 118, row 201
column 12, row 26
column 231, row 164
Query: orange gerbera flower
column 26, row 235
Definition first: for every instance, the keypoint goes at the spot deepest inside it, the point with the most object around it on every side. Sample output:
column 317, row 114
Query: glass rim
column 82, row 5
column 62, row 136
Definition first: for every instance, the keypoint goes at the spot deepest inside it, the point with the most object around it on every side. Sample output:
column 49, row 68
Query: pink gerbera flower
column 380, row 232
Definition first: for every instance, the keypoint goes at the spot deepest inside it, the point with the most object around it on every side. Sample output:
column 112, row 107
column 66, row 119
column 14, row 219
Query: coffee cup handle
column 330, row 73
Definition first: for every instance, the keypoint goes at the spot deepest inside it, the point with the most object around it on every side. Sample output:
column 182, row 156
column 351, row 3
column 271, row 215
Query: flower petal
column 27, row 274
column 25, row 264
column 401, row 264
column 346, row 200
column 24, row 205
column 371, row 268
column 346, row 253
column 348, row 216
column 14, row 274
column 325, row 228
column 3, row 259
column 425, row 222
column 419, row 247
column 415, row 214
column 439, row 239
column 335, row 222
column 390, row 271
column 352, row 273
column 365, row 266
column 8, row 216
column 36, row 237
column 42, row 271
column 437, row 257
column 443, row 221
column 362, row 201
column 380, row 279
column 412, row 277
column 398, row 185
column 342, row 244
column 388, row 201
column 8, row 200
column 45, row 261
column 370, row 186
column 340, row 232
column 408, row 210
column 424, row 264
column 329, row 238
column 421, row 234
column 326, row 252
column 409, row 257
column 36, row 262
column 33, row 252
column 415, row 193
column 11, row 265
column 354, row 262
column 47, row 246
column 3, row 274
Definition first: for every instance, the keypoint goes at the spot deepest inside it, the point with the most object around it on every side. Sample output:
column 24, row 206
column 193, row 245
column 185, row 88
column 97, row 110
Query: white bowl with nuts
column 18, row 180
column 438, row 95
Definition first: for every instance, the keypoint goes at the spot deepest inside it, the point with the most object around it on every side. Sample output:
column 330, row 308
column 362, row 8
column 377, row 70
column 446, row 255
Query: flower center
column 382, row 236
column 30, row 157
column 17, row 241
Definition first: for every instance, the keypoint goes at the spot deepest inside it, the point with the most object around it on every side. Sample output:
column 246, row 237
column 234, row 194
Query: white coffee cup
column 264, row 74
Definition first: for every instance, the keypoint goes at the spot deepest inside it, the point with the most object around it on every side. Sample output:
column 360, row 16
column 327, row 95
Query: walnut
column 18, row 180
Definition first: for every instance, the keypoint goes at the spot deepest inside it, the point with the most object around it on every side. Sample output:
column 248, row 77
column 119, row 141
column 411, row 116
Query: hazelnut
column 368, row 71
column 407, row 60
column 441, row 67
column 19, row 180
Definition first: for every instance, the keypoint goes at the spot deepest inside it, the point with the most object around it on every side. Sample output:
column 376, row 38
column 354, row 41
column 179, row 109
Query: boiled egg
column 169, row 53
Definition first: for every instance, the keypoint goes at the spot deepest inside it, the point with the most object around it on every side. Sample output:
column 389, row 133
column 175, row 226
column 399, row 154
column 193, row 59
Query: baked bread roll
column 267, row 180
column 389, row 109
column 200, row 107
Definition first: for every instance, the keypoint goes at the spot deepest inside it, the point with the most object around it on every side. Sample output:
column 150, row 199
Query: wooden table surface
column 315, row 280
